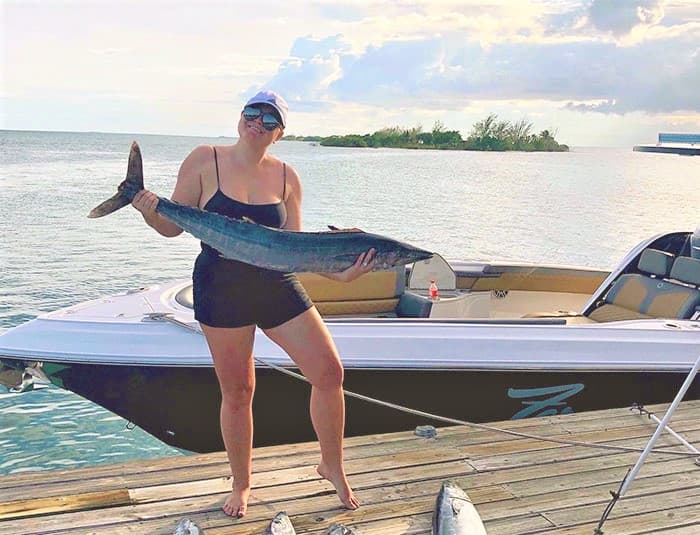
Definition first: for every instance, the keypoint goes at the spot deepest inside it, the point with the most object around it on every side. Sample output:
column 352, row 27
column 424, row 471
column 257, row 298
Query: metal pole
column 659, row 429
column 676, row 435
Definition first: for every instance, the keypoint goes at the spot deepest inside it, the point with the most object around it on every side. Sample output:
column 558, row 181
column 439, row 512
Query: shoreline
column 427, row 147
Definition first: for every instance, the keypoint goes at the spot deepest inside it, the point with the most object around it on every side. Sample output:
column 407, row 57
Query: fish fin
column 336, row 229
column 114, row 203
column 127, row 190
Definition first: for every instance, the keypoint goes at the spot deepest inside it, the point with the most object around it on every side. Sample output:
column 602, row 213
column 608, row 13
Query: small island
column 487, row 135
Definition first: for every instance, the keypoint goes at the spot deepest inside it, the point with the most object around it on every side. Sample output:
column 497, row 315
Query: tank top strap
column 216, row 163
column 284, row 177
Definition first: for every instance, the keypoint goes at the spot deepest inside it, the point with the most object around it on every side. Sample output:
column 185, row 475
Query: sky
column 596, row 72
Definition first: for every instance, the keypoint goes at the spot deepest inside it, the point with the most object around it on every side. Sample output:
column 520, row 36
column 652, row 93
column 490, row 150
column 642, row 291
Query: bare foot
column 237, row 502
column 342, row 487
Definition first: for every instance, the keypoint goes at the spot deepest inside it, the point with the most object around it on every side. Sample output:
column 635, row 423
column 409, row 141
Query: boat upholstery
column 650, row 293
column 534, row 279
column 687, row 270
column 376, row 292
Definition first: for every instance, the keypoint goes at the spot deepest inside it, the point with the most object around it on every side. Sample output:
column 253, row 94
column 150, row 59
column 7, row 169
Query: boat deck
column 518, row 485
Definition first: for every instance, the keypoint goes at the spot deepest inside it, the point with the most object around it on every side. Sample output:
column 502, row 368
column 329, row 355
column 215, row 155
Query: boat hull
column 180, row 405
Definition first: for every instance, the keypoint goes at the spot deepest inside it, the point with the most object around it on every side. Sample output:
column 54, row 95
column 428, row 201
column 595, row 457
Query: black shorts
column 228, row 293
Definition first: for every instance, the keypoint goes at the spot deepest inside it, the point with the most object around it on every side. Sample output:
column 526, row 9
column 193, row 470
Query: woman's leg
column 307, row 341
column 232, row 351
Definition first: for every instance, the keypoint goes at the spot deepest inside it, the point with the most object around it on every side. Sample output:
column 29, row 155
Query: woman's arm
column 188, row 190
column 364, row 264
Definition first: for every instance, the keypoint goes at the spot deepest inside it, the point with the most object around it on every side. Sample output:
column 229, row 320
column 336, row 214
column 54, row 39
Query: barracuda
column 271, row 248
column 455, row 514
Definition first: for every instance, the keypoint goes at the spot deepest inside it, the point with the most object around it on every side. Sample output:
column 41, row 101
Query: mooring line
column 169, row 318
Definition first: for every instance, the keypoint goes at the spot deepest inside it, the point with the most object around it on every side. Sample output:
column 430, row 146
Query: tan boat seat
column 650, row 294
column 376, row 292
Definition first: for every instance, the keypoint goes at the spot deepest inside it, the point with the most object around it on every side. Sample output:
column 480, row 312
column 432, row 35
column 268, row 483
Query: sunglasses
column 269, row 121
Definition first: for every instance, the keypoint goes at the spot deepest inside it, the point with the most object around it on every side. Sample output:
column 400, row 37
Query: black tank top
column 271, row 214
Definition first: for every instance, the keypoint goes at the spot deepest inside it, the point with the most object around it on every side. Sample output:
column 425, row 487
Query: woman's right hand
column 146, row 202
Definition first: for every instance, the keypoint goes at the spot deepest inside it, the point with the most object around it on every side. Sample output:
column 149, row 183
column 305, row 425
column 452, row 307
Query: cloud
column 396, row 70
column 310, row 47
column 304, row 78
column 622, row 17
column 656, row 76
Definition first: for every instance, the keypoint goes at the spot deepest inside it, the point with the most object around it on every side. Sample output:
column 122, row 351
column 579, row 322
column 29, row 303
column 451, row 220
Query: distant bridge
column 679, row 138
column 686, row 144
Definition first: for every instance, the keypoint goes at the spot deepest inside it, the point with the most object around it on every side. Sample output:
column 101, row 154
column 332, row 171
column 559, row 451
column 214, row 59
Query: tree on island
column 486, row 135
column 491, row 134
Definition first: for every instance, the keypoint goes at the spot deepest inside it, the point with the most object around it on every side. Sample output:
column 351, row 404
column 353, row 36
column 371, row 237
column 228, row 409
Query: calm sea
column 586, row 207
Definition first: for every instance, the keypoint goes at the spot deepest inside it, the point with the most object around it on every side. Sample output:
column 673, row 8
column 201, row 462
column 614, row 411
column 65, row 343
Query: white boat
column 503, row 340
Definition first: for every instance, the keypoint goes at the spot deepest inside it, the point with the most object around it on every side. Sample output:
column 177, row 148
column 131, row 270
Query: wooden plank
column 609, row 436
column 405, row 525
column 666, row 504
column 689, row 529
column 565, row 467
column 593, row 474
column 532, row 523
column 61, row 504
column 558, row 454
column 560, row 502
column 681, row 519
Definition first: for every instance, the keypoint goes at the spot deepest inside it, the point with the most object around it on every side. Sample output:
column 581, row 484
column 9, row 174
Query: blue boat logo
column 553, row 404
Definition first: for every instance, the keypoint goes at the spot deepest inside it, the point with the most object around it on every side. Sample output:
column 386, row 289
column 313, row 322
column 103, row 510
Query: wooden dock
column 518, row 485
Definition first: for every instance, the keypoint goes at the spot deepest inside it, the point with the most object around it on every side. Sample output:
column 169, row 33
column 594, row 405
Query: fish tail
column 127, row 190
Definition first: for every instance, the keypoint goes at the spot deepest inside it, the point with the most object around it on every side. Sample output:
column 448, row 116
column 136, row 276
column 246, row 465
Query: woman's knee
column 237, row 396
column 329, row 374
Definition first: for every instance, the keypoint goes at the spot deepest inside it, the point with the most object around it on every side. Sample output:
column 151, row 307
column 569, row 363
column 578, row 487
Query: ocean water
column 587, row 207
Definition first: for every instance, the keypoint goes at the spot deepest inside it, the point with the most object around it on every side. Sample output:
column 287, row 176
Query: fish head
column 398, row 253
column 280, row 525
column 339, row 529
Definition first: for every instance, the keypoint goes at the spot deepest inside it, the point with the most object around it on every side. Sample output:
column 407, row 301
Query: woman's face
column 253, row 128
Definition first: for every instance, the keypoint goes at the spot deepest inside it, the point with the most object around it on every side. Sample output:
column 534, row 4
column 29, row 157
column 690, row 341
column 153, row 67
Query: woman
column 231, row 298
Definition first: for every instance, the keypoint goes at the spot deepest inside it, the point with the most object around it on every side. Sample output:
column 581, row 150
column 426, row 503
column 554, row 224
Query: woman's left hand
column 364, row 264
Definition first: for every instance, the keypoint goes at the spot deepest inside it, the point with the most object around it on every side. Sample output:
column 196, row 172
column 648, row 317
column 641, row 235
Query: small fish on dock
column 338, row 529
column 186, row 527
column 455, row 514
column 280, row 525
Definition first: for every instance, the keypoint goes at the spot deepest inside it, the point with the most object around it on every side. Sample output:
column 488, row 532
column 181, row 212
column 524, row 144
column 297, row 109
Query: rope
column 608, row 508
column 168, row 317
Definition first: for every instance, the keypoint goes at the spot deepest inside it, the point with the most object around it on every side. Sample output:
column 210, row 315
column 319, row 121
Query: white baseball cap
column 273, row 99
